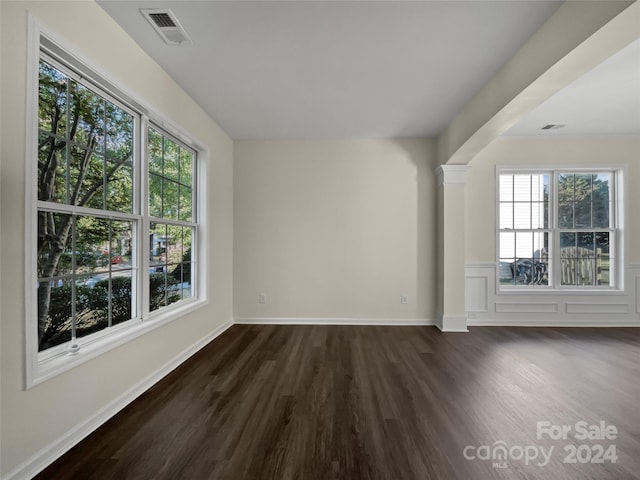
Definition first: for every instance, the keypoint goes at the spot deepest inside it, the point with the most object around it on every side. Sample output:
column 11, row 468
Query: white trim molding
column 450, row 174
column 486, row 305
column 390, row 322
column 451, row 323
column 43, row 458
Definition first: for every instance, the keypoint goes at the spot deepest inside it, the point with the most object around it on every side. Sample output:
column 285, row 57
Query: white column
column 451, row 313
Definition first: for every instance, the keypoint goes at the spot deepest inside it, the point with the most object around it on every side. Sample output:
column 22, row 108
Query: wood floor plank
column 371, row 402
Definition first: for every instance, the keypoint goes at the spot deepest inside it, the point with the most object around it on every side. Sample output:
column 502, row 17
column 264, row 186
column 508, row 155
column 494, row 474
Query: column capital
column 450, row 174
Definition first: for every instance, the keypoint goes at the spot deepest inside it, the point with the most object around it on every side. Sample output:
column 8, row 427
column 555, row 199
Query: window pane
column 529, row 209
column 166, row 277
column 584, row 200
column 92, row 307
column 52, row 100
column 186, row 280
column 121, row 245
column 86, row 109
column 506, row 215
column 171, row 160
column 186, row 167
column 565, row 215
column 119, row 138
column 567, row 240
column 169, row 199
column 185, row 203
column 187, row 235
column 157, row 290
column 568, row 271
column 585, row 243
column 506, row 271
column 577, row 258
column 52, row 170
column 521, row 188
column 158, row 247
column 601, row 200
column 187, row 265
column 539, row 216
column 174, row 244
column 121, row 297
column 603, row 258
column 120, row 187
column 155, row 152
column 585, row 270
column 54, row 313
column 91, row 243
column 525, row 244
column 522, row 215
column 175, row 282
column 71, row 166
column 163, row 290
column 583, row 213
column 86, row 176
column 174, row 293
column 565, row 188
column 155, row 195
column 170, row 179
column 507, row 244
column 54, row 244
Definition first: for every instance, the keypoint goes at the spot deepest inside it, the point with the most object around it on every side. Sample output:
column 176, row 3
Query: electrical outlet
column 262, row 298
column 404, row 299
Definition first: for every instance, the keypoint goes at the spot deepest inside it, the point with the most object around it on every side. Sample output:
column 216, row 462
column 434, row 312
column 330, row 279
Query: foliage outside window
column 91, row 232
column 557, row 229
column 172, row 227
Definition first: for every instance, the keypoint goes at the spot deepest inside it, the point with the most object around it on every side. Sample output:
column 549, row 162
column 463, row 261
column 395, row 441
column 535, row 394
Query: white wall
column 34, row 420
column 335, row 229
column 487, row 305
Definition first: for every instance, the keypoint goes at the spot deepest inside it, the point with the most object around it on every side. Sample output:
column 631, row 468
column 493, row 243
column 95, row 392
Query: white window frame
column 41, row 366
column 619, row 221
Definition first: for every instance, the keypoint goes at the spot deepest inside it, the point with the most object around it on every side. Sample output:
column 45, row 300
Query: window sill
column 93, row 346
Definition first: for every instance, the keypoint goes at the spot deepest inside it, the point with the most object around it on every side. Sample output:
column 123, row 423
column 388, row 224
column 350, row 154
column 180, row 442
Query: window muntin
column 91, row 230
column 85, row 147
column 524, row 229
column 171, row 172
column 557, row 229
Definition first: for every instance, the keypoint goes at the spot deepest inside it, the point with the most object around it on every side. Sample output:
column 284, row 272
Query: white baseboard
column 397, row 322
column 40, row 460
column 581, row 323
column 452, row 323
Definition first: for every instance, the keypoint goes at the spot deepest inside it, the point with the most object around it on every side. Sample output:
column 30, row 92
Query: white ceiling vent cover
column 167, row 25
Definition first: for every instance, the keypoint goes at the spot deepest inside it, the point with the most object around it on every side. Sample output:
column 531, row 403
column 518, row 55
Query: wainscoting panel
column 519, row 307
column 486, row 305
column 477, row 293
column 604, row 308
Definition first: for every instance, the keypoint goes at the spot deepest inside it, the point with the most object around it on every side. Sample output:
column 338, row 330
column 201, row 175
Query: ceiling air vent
column 552, row 126
column 167, row 25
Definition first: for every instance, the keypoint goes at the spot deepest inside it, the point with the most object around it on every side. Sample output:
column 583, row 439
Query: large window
column 116, row 222
column 558, row 228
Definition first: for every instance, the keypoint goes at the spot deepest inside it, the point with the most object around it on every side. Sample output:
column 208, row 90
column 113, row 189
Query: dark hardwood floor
column 344, row 402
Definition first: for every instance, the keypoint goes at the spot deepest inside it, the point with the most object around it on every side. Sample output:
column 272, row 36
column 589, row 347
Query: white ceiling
column 603, row 102
column 335, row 69
column 353, row 69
